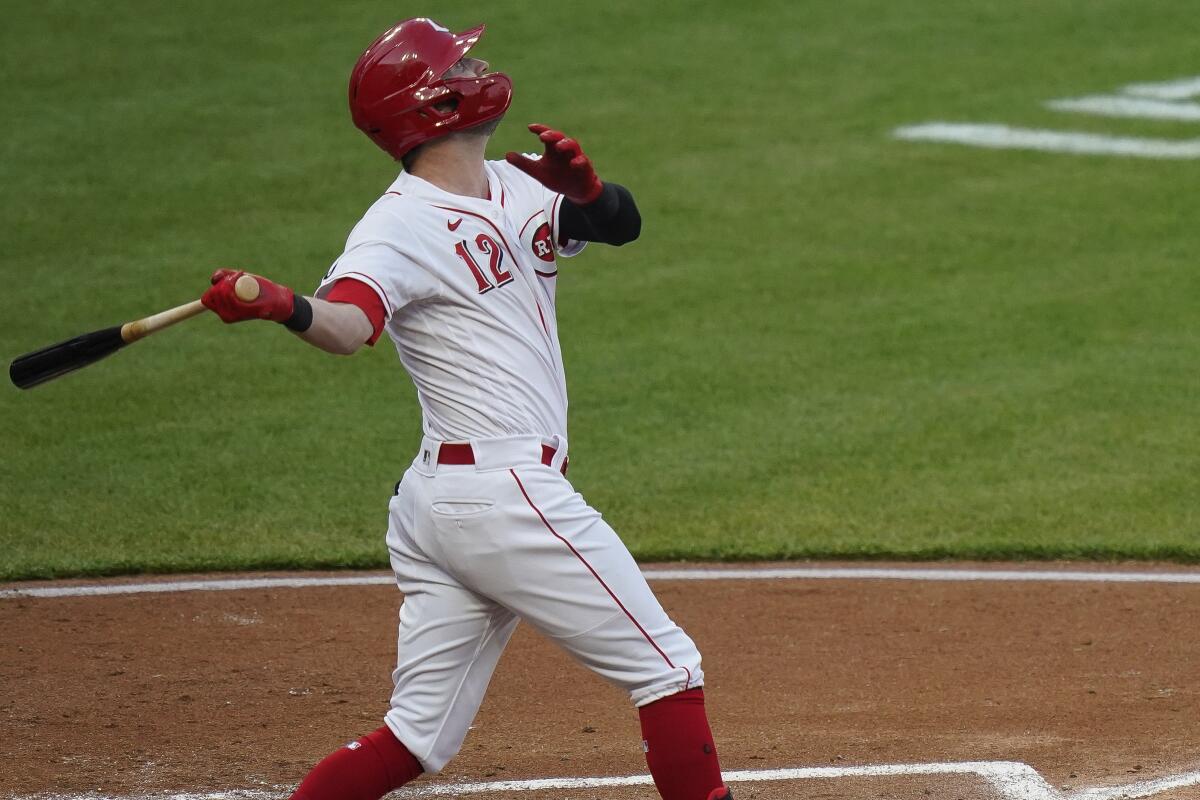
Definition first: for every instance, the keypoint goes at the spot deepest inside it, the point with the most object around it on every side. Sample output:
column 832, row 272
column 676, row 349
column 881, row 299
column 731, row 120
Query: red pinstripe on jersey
column 554, row 218
column 532, row 217
column 596, row 575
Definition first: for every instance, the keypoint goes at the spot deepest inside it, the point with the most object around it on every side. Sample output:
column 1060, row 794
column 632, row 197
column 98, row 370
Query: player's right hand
column 274, row 302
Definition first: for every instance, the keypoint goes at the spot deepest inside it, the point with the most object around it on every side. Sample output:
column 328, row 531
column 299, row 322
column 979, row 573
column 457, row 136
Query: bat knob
column 246, row 289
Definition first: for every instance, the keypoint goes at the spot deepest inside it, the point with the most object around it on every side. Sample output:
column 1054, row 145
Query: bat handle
column 246, row 289
column 141, row 328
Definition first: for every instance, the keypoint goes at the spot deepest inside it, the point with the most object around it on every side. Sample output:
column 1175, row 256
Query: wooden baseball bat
column 57, row 360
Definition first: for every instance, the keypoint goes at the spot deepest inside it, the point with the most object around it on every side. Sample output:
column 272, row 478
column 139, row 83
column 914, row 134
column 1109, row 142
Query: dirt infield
column 1092, row 684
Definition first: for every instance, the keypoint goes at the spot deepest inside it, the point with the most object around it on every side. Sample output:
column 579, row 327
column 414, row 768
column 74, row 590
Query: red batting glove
column 274, row 302
column 564, row 168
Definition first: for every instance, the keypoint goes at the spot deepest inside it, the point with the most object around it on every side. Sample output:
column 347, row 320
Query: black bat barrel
column 50, row 362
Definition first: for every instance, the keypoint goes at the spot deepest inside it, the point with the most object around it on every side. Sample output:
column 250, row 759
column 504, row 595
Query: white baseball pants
column 477, row 548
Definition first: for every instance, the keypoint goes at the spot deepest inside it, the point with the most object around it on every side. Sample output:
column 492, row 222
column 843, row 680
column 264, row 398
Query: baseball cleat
column 720, row 793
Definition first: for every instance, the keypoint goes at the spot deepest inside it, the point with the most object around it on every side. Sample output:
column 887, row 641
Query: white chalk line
column 209, row 585
column 1156, row 101
column 1013, row 780
column 653, row 574
column 1179, row 89
column 1005, row 137
column 1122, row 106
column 1137, row 790
column 1165, row 100
column 1010, row 779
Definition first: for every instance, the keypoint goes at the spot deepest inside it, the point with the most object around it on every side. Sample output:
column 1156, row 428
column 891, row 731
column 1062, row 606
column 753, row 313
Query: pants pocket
column 461, row 506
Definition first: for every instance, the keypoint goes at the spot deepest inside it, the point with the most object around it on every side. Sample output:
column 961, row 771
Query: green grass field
column 827, row 343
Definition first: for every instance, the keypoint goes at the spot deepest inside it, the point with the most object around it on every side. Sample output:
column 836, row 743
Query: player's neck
column 455, row 165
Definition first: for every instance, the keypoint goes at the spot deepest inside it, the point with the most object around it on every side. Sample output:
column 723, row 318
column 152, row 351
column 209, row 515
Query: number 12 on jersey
column 488, row 247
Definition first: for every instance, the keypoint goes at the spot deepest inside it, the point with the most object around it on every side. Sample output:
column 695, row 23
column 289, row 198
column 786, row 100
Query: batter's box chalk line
column 1011, row 780
column 651, row 573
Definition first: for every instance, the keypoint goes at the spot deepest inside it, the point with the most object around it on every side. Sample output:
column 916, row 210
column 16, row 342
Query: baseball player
column 457, row 262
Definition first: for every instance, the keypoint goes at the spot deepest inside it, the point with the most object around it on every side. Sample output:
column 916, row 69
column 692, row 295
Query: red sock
column 679, row 746
column 363, row 770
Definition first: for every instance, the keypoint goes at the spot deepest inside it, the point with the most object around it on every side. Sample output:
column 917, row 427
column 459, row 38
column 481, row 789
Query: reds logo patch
column 542, row 247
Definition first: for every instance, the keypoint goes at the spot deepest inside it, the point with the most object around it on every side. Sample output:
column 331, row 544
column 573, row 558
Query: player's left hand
column 564, row 168
column 274, row 302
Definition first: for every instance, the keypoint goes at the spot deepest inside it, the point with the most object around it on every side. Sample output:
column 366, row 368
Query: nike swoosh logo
column 454, row 225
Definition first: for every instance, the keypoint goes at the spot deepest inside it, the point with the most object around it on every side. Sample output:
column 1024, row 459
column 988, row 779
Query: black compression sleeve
column 612, row 218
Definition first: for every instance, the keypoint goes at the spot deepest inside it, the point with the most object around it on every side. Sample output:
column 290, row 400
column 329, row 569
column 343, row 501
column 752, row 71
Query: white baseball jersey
column 468, row 288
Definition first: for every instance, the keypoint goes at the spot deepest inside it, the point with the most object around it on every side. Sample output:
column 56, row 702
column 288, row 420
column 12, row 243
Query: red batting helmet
column 398, row 81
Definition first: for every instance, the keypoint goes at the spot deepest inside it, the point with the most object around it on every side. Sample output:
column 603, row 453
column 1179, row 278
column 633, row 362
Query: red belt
column 462, row 454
